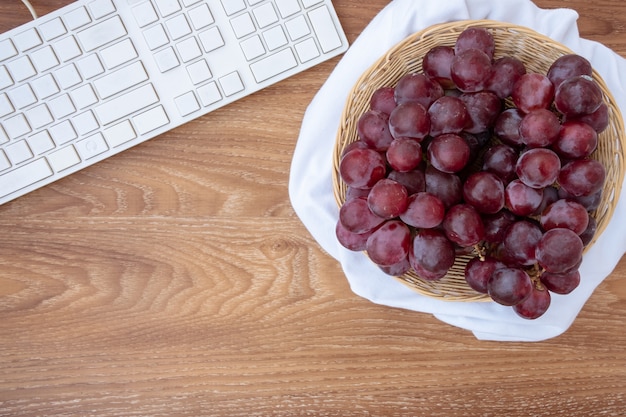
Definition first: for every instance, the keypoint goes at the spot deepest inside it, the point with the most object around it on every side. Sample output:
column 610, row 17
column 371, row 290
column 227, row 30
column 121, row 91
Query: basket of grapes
column 478, row 161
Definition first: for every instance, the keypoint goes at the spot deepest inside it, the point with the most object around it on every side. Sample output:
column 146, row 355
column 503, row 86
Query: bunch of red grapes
column 477, row 155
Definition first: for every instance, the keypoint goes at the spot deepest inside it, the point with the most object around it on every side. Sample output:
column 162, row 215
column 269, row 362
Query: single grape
column 599, row 119
column 582, row 177
column 404, row 154
column 352, row 192
column 590, row 202
column 448, row 153
column 397, row 269
column 475, row 38
column 561, row 283
column 352, row 145
column 373, row 129
column 350, row 240
column 509, row 286
column 356, row 216
column 578, row 96
column 505, row 73
column 383, row 100
column 550, row 195
column 362, row 168
column 448, row 115
column 436, row 64
column 497, row 224
column 485, row 191
column 478, row 271
column 538, row 167
column 483, row 107
column 521, row 199
column 507, row 125
column 470, row 70
column 568, row 66
column 447, row 187
column 532, row 91
column 559, row 250
column 519, row 243
column 589, row 233
column 576, row 140
column 409, row 119
column 432, row 253
column 414, row 180
column 388, row 199
column 463, row 225
column 424, row 211
column 389, row 244
column 565, row 213
column 535, row 305
column 539, row 128
column 500, row 159
column 418, row 88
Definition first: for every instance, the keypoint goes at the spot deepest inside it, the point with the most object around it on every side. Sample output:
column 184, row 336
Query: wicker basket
column 537, row 52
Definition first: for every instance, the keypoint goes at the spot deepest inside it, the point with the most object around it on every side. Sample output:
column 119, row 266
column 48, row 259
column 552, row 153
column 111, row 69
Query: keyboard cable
column 30, row 8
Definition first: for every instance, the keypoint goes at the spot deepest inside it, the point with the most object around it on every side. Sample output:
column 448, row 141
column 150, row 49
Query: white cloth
column 310, row 184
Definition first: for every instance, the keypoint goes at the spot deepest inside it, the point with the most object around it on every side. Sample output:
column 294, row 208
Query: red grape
column 520, row 241
column 568, row 66
column 539, row 128
column 576, row 140
column 582, row 177
column 389, row 244
column 478, row 271
column 373, row 129
column 521, row 199
column 484, row 191
column 404, row 154
column 509, row 286
column 497, row 224
column 501, row 159
column 448, row 152
column 561, row 283
column 424, row 211
column 397, row 269
column 383, row 100
column 507, row 126
column 483, row 108
column 432, row 253
column 505, row 73
column 578, row 96
column 463, row 225
column 538, row 167
column 448, row 115
column 356, row 216
column 559, row 250
column 532, row 91
column 419, row 88
column 475, row 38
column 350, row 240
column 565, row 213
column 414, row 180
column 590, row 231
column 535, row 305
column 388, row 198
column 436, row 64
column 599, row 119
column 362, row 168
column 470, row 70
column 447, row 187
column 409, row 119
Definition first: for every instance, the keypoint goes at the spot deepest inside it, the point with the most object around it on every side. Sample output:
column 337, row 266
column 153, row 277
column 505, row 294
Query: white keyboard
column 99, row 76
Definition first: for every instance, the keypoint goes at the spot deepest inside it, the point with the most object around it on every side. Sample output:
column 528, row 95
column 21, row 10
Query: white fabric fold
column 310, row 182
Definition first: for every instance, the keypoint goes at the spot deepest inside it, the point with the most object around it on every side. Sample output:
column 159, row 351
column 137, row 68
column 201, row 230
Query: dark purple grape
column 475, row 38
column 432, row 254
column 500, row 160
column 505, row 73
column 521, row 199
column 418, row 88
column 383, row 100
column 599, row 119
column 436, row 64
column 568, row 66
column 424, row 211
column 470, row 70
column 389, row 244
column 532, row 91
column 350, row 240
column 520, row 241
column 483, row 107
column 362, row 168
column 538, row 167
column 550, row 195
column 561, row 283
column 589, row 233
column 404, row 154
column 576, row 140
column 398, row 269
column 497, row 224
column 448, row 153
column 356, row 193
column 409, row 119
column 373, row 129
column 447, row 187
column 485, row 191
column 414, row 180
column 539, row 128
column 356, row 216
column 463, row 225
column 448, row 115
column 388, row 199
column 509, row 286
column 559, row 250
column 535, row 305
column 567, row 214
column 582, row 177
column 590, row 202
column 578, row 96
column 478, row 271
column 506, row 127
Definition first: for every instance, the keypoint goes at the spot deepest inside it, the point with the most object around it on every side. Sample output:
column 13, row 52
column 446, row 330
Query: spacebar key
column 24, row 176
column 126, row 104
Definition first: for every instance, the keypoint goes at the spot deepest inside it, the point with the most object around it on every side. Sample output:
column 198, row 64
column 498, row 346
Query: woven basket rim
column 452, row 291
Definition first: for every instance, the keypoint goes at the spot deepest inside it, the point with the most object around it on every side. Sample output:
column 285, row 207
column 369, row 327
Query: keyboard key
column 40, row 142
column 265, row 15
column 22, row 96
column 145, row 14
column 92, row 146
column 45, row 86
column 5, row 78
column 119, row 133
column 187, row 103
column 67, row 76
column 166, row 59
column 90, row 66
column 167, row 7
column 307, row 50
column 297, row 28
column 27, row 39
column 118, row 54
column 273, row 65
column 275, row 38
column 201, row 17
column 209, row 94
column 211, row 39
column 150, row 120
column 84, row 96
column 231, row 83
column 61, row 106
column 155, row 37
column 85, row 122
column 287, row 8
column 67, row 48
column 16, row 126
column 52, row 29
column 44, row 59
column 126, row 104
column 188, row 49
column 7, row 49
column 233, row 6
column 21, row 68
column 178, row 27
column 101, row 8
column 18, row 152
column 6, row 107
column 242, row 25
column 39, row 116
column 63, row 132
column 252, row 47
column 77, row 18
column 24, row 176
column 199, row 72
column 120, row 80
column 324, row 28
column 102, row 33
column 63, row 158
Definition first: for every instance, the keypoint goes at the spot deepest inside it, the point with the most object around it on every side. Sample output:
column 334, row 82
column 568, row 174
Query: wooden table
column 176, row 280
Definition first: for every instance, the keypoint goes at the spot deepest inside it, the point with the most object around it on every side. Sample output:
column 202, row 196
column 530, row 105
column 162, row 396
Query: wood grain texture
column 176, row 280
